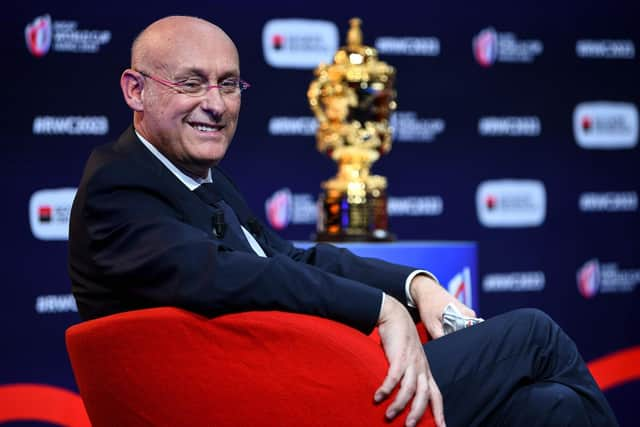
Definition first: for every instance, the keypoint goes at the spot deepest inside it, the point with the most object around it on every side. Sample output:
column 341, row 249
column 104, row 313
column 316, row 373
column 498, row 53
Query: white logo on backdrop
column 70, row 125
column 511, row 203
column 49, row 211
column 516, row 281
column 605, row 125
column 299, row 43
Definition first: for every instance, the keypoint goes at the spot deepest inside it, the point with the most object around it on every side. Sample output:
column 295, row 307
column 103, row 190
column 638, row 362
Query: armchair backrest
column 168, row 367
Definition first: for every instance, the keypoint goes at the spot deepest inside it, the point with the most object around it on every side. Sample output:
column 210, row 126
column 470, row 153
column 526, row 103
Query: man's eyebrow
column 191, row 72
column 229, row 74
column 198, row 72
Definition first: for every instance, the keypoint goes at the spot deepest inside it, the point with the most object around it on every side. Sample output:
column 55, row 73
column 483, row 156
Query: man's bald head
column 156, row 43
column 192, row 131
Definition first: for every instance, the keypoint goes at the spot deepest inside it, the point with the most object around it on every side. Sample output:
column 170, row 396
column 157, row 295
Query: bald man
column 156, row 223
column 193, row 132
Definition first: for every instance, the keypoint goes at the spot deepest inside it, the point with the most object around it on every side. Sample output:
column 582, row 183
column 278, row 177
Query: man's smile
column 205, row 127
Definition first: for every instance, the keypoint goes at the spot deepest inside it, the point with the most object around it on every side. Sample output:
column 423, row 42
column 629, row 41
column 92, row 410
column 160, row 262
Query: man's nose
column 214, row 102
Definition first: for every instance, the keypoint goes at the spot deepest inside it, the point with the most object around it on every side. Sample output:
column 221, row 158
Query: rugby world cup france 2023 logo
column 485, row 47
column 279, row 208
column 588, row 278
column 38, row 36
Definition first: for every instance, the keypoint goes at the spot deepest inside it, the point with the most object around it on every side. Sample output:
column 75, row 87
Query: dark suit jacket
column 139, row 238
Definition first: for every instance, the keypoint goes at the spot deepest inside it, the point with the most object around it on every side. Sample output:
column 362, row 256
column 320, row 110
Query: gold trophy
column 352, row 98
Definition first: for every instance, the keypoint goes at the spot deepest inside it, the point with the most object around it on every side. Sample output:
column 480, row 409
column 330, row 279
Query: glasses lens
column 229, row 86
column 193, row 87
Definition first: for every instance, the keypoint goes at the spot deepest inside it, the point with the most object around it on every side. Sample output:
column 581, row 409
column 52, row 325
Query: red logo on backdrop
column 491, row 201
column 277, row 41
column 279, row 208
column 589, row 278
column 459, row 293
column 587, row 122
column 44, row 213
column 485, row 47
column 460, row 286
column 38, row 36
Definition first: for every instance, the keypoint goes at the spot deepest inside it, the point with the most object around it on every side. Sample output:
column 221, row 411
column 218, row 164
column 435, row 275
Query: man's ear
column 132, row 84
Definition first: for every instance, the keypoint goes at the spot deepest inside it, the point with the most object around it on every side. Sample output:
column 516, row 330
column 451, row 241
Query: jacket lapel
column 192, row 209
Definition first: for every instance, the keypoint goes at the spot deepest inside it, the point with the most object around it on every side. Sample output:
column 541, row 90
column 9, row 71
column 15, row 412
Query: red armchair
column 169, row 367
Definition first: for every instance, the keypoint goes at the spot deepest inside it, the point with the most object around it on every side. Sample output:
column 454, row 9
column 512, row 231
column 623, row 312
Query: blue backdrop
column 517, row 128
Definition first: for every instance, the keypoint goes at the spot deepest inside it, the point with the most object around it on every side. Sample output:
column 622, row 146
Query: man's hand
column 431, row 299
column 408, row 366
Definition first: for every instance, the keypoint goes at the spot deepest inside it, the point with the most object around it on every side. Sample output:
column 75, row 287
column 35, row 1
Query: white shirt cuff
column 381, row 303
column 407, row 285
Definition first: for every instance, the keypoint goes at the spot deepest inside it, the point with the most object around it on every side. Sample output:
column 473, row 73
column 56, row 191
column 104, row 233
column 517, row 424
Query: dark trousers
column 516, row 369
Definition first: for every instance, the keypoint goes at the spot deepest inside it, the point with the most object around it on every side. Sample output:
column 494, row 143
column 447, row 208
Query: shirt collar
column 190, row 182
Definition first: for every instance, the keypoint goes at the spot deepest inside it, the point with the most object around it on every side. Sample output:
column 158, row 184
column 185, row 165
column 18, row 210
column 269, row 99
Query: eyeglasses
column 195, row 86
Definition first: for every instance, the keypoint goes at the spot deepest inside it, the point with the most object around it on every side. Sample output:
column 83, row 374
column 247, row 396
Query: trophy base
column 380, row 236
column 359, row 217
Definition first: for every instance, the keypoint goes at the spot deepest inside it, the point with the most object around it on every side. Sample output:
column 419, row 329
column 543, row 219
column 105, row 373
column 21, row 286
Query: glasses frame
column 179, row 86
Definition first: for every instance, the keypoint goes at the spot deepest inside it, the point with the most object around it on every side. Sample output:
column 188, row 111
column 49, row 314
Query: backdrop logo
column 299, row 43
column 485, row 47
column 606, row 49
column 279, row 208
column 49, row 212
column 408, row 46
column 408, row 127
column 289, row 126
column 65, row 35
column 277, row 40
column 38, row 36
column 460, row 286
column 70, row 125
column 610, row 201
column 415, row 206
column 284, row 208
column 509, row 126
column 51, row 304
column 605, row 125
column 589, row 278
column 44, row 213
column 516, row 281
column 490, row 47
column 511, row 203
column 595, row 277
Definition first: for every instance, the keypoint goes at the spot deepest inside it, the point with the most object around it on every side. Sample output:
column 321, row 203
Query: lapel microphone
column 219, row 226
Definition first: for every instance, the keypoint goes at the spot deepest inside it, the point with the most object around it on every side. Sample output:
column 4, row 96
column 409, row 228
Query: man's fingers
column 435, row 329
column 466, row 311
column 420, row 401
column 463, row 309
column 394, row 375
column 407, row 362
column 406, row 392
column 435, row 397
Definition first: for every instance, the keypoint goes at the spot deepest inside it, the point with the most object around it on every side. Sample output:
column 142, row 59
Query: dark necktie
column 224, row 222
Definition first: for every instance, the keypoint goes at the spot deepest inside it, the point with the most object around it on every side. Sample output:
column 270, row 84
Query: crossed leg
column 518, row 368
